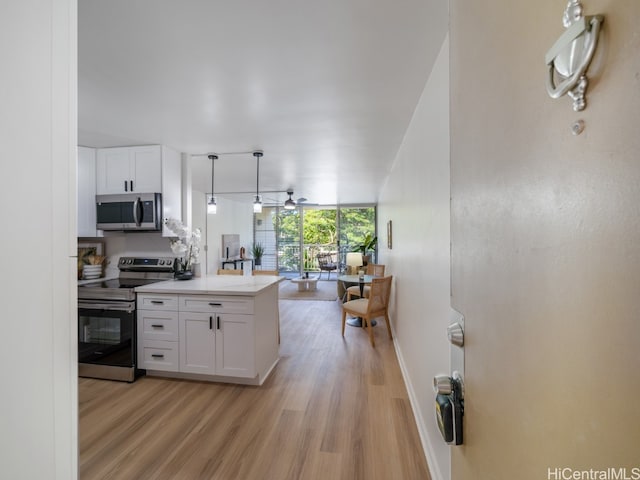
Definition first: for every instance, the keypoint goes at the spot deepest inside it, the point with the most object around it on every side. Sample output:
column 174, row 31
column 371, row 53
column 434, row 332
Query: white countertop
column 214, row 285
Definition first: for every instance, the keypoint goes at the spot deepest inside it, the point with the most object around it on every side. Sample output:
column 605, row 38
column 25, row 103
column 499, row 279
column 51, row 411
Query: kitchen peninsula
column 217, row 328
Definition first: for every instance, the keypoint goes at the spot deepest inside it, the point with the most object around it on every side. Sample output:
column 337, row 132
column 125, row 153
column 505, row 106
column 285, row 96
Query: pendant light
column 289, row 204
column 257, row 204
column 212, row 208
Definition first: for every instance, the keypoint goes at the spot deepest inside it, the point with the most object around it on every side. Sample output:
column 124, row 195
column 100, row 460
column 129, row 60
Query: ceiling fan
column 303, row 201
column 290, row 204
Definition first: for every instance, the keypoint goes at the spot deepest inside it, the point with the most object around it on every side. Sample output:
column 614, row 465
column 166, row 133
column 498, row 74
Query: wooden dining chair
column 377, row 305
column 265, row 272
column 226, row 271
column 373, row 269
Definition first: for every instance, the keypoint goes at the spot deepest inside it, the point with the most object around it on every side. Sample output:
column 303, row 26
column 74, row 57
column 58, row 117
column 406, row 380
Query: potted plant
column 367, row 247
column 257, row 250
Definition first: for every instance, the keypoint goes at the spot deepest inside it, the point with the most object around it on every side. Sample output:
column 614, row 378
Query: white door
column 146, row 169
column 235, row 346
column 112, row 171
column 197, row 343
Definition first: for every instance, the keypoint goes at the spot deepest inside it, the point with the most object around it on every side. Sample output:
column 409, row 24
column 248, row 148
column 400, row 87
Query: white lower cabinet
column 212, row 340
column 158, row 335
column 197, row 343
column 235, row 350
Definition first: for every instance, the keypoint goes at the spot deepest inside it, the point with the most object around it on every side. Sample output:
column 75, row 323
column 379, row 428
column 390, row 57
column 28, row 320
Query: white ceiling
column 325, row 88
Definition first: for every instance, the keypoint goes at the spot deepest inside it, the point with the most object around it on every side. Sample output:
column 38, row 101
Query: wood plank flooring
column 332, row 409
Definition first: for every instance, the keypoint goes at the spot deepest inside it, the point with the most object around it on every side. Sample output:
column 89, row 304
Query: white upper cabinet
column 129, row 169
column 146, row 169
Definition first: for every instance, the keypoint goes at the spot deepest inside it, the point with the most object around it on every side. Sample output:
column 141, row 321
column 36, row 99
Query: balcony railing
column 289, row 256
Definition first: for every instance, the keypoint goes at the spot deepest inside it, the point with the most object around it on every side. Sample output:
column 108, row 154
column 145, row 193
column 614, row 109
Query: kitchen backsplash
column 134, row 245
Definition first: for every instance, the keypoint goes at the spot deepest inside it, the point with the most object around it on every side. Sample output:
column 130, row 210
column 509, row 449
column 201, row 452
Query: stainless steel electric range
column 107, row 318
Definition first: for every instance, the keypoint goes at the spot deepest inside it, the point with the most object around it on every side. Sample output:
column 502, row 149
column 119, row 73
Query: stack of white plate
column 91, row 271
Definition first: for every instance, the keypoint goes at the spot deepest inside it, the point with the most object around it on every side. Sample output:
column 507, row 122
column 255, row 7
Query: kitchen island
column 216, row 328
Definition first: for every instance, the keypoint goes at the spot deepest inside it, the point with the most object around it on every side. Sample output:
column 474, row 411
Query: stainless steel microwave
column 129, row 212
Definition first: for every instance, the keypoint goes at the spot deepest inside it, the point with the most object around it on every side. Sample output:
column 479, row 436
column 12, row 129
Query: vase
column 184, row 273
column 196, row 269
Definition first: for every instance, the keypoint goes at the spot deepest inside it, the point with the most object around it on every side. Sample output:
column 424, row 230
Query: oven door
column 107, row 340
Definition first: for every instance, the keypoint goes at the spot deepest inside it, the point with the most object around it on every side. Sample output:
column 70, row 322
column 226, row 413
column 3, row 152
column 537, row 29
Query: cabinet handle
column 157, row 326
column 210, row 323
column 157, row 302
column 125, row 186
column 218, row 321
column 131, row 184
column 214, row 304
column 157, row 355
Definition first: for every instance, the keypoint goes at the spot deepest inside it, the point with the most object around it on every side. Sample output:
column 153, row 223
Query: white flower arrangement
column 187, row 246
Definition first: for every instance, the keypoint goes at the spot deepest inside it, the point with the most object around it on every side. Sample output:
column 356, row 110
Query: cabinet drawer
column 204, row 303
column 158, row 325
column 160, row 301
column 159, row 355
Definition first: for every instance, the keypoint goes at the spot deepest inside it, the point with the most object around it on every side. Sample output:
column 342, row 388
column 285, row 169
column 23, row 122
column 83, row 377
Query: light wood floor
column 332, row 409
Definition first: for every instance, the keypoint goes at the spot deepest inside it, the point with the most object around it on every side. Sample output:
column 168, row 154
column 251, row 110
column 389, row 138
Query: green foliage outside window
column 320, row 234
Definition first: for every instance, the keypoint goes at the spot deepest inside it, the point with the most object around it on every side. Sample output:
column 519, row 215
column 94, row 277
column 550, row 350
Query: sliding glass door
column 292, row 239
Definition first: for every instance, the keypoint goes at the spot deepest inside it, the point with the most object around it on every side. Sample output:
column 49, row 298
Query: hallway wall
column 416, row 200
column 545, row 243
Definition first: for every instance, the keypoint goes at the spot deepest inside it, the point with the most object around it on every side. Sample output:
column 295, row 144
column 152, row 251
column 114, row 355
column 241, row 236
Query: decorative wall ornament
column 569, row 58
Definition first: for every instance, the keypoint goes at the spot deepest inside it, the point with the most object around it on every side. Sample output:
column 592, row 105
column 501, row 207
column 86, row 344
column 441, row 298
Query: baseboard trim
column 432, row 464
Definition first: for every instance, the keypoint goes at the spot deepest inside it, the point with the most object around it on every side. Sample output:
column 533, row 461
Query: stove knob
column 161, row 262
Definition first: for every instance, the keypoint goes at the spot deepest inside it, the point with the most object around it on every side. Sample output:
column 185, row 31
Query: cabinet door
column 146, row 169
column 197, row 342
column 235, row 348
column 112, row 171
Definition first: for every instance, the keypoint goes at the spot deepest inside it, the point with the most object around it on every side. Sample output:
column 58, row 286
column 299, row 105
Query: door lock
column 449, row 406
column 455, row 332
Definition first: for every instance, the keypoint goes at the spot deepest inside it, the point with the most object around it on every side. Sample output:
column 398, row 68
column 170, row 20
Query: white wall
column 38, row 404
column 143, row 244
column 416, row 199
column 232, row 218
column 545, row 244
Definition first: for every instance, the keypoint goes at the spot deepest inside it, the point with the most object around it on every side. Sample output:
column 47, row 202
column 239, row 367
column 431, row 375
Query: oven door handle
column 113, row 307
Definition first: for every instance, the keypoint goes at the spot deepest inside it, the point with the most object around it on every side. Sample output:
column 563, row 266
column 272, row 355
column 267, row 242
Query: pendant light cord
column 257, row 155
column 213, row 159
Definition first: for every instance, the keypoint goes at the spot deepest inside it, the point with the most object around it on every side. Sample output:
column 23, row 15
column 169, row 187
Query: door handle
column 137, row 211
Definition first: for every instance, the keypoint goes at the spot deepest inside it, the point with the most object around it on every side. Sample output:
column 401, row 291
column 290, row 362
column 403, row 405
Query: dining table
column 361, row 281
